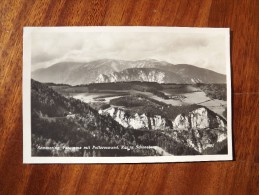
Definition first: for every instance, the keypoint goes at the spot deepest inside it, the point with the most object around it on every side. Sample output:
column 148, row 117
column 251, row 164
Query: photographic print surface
column 126, row 95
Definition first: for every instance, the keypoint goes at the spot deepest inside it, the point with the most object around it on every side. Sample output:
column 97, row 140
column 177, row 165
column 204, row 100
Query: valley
column 176, row 109
column 179, row 124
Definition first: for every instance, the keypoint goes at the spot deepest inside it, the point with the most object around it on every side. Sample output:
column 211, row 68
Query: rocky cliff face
column 136, row 121
column 133, row 74
column 199, row 129
column 196, row 119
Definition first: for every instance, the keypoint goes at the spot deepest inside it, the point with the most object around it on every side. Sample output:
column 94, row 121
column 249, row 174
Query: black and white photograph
column 126, row 95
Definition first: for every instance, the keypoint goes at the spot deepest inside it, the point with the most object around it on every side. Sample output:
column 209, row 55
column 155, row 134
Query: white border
column 28, row 159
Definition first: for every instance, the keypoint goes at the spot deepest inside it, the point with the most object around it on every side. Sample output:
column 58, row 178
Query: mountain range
column 108, row 70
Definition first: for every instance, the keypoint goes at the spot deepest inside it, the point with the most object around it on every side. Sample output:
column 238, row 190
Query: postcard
column 126, row 95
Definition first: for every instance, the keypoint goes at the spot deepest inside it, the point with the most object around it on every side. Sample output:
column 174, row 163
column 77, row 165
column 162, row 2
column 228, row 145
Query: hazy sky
column 200, row 49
